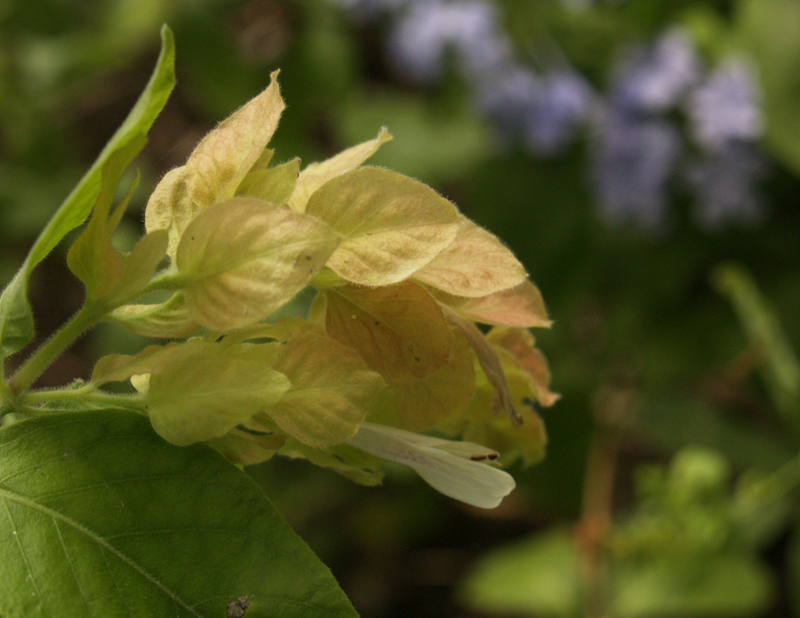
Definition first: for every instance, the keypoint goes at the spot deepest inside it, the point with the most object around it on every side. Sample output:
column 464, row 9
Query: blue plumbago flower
column 364, row 11
column 508, row 98
column 726, row 107
column 546, row 110
column 562, row 106
column 726, row 121
column 634, row 160
column 725, row 182
column 656, row 78
column 636, row 148
column 423, row 33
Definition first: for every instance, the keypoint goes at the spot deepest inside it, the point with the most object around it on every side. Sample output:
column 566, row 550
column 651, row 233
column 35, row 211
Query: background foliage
column 655, row 348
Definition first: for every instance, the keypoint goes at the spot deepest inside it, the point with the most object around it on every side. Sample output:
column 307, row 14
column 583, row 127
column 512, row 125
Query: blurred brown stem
column 596, row 521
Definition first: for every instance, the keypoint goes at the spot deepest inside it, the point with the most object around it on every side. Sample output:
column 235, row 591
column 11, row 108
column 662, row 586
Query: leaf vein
column 8, row 495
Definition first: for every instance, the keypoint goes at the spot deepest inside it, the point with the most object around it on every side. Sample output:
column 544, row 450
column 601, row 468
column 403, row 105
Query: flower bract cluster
column 390, row 348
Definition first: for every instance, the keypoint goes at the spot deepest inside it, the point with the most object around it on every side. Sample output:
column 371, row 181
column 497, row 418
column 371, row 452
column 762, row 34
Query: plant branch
column 92, row 312
column 86, row 394
column 87, row 317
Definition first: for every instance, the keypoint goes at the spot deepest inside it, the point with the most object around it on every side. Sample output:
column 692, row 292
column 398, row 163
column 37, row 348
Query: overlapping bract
column 402, row 277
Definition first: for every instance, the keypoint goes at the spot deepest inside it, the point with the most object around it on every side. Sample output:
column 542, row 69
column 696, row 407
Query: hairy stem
column 86, row 394
column 87, row 317
column 92, row 312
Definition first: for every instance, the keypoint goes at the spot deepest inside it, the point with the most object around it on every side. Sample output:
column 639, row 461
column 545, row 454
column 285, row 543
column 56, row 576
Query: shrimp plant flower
column 390, row 363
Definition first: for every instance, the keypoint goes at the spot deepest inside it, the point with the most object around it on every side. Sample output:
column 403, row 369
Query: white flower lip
column 456, row 469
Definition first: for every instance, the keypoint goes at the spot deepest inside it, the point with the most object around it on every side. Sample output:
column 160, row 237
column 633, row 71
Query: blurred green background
column 672, row 337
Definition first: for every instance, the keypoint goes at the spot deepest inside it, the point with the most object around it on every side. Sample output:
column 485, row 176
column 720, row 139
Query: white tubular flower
column 456, row 469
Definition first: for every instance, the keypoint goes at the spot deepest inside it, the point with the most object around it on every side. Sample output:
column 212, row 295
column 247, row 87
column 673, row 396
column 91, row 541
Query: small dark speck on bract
column 237, row 608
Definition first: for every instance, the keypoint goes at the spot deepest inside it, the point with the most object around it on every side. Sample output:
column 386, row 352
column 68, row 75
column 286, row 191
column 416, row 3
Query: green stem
column 166, row 280
column 86, row 394
column 6, row 399
column 87, row 317
column 91, row 313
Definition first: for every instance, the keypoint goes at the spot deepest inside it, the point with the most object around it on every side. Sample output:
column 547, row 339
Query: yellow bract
column 391, row 225
column 217, row 166
column 317, row 174
column 246, row 258
column 438, row 399
column 520, row 306
column 225, row 156
column 390, row 340
column 332, row 390
column 273, row 185
column 398, row 330
column 476, row 263
column 169, row 320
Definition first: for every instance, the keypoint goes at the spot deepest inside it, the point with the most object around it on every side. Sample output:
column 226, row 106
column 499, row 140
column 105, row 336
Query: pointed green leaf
column 392, row 225
column 781, row 370
column 225, row 156
column 92, row 258
column 138, row 265
column 398, row 330
column 273, row 185
column 16, row 319
column 538, row 576
column 317, row 174
column 100, row 517
column 247, row 258
column 476, row 263
column 16, row 316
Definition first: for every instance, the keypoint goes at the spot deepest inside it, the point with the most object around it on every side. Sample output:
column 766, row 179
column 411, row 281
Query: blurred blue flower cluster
column 666, row 124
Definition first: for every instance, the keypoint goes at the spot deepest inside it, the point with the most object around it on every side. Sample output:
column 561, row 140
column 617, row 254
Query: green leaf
column 139, row 265
column 768, row 30
column 392, row 225
column 92, row 258
column 16, row 318
column 781, row 369
column 714, row 585
column 100, row 517
column 246, row 258
column 539, row 576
